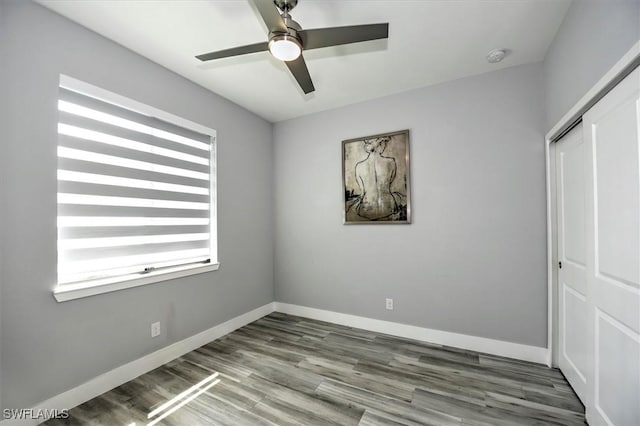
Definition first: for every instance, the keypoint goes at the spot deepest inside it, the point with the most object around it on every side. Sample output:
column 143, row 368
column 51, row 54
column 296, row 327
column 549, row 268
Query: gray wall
column 2, row 197
column 473, row 261
column 50, row 347
column 592, row 38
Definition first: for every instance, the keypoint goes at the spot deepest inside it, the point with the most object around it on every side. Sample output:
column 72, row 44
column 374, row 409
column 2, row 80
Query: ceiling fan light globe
column 285, row 48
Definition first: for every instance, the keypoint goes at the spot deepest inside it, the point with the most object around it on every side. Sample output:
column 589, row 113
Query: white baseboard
column 462, row 341
column 127, row 372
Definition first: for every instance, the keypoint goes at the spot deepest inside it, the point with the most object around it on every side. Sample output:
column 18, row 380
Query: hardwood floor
column 286, row 370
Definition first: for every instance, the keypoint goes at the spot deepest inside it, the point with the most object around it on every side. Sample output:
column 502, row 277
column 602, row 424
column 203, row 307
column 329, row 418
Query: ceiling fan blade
column 299, row 70
column 235, row 51
column 325, row 37
column 270, row 15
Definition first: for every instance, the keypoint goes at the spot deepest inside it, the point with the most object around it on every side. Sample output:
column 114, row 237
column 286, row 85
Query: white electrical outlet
column 389, row 304
column 155, row 329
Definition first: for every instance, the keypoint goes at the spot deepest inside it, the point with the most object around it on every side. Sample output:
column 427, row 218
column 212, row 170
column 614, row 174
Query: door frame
column 621, row 69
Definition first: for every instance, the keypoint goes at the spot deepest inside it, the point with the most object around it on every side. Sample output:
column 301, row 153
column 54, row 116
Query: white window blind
column 134, row 191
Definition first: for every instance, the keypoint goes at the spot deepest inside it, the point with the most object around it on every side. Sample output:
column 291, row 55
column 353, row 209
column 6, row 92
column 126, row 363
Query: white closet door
column 572, row 280
column 612, row 151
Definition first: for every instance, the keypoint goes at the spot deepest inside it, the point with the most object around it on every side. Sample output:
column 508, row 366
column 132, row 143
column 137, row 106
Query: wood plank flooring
column 287, row 370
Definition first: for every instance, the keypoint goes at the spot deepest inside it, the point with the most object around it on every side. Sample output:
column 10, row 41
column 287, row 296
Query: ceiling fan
column 287, row 39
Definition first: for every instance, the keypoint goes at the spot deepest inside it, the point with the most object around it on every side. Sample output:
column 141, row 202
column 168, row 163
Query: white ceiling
column 430, row 41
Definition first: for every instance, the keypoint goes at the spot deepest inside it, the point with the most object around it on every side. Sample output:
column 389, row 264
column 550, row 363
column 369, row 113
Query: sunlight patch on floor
column 182, row 399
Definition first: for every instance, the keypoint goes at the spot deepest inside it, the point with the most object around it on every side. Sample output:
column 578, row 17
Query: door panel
column 612, row 148
column 617, row 372
column 619, row 298
column 572, row 178
column 615, row 142
column 572, row 303
column 575, row 333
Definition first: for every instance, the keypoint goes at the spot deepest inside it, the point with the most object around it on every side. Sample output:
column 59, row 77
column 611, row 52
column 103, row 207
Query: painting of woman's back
column 376, row 178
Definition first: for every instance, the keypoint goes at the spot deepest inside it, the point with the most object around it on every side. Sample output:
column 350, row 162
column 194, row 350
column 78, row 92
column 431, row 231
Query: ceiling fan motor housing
column 292, row 29
column 285, row 5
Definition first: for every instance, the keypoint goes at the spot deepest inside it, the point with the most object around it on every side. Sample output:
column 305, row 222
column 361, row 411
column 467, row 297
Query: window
column 136, row 193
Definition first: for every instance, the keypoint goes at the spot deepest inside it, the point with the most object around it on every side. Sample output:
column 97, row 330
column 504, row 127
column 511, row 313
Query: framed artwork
column 375, row 179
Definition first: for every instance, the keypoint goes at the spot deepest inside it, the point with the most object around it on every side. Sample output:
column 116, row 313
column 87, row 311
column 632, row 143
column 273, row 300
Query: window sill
column 92, row 288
